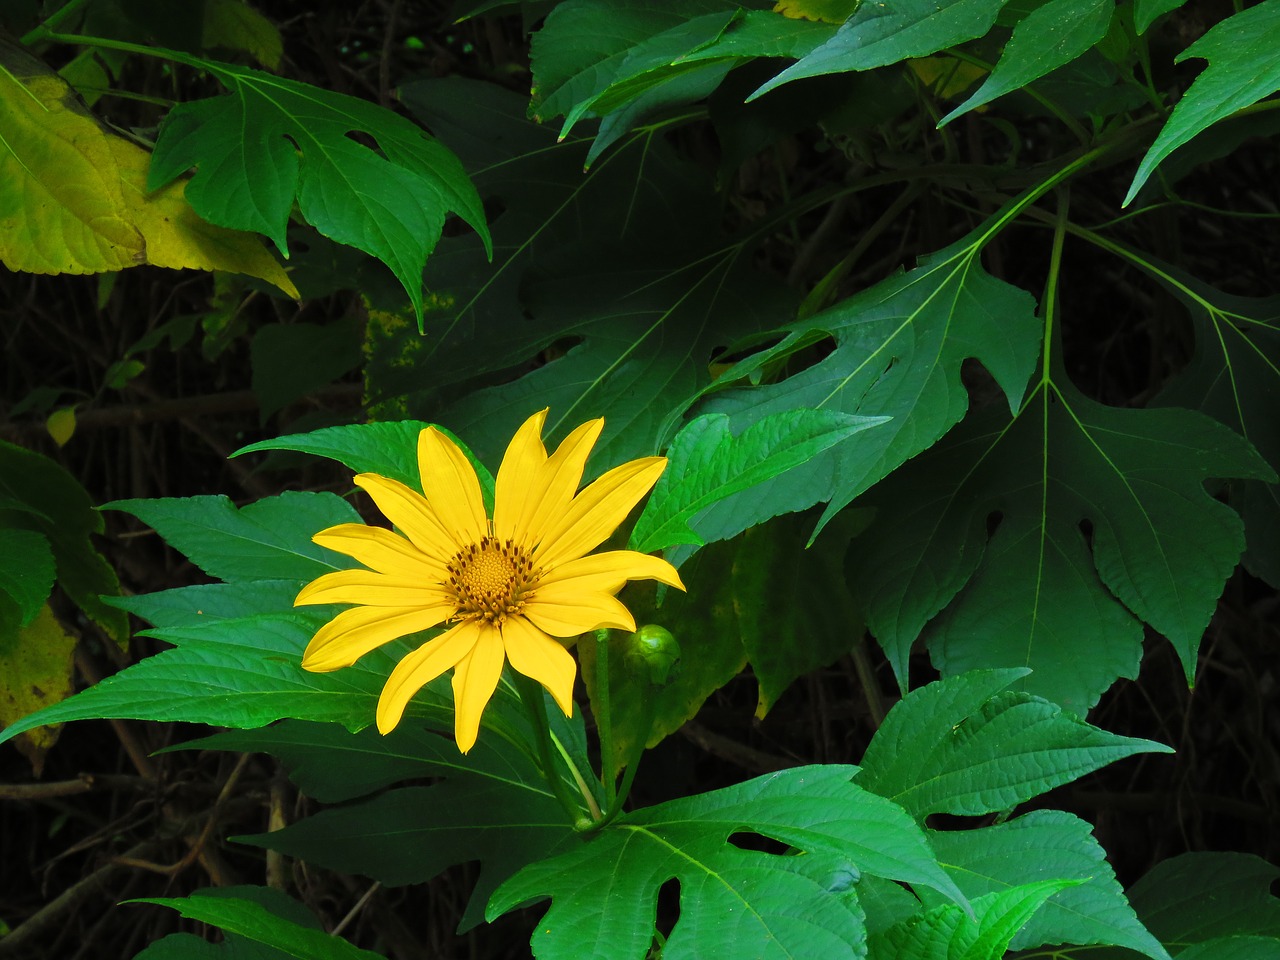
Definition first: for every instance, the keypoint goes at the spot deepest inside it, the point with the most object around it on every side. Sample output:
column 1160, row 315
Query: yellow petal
column 410, row 511
column 536, row 655
column 596, row 512
column 420, row 667
column 516, row 489
column 552, row 489
column 608, row 572
column 451, row 486
column 373, row 590
column 382, row 550
column 353, row 633
column 564, row 611
column 474, row 680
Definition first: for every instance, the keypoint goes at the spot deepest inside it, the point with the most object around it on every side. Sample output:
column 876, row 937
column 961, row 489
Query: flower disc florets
column 490, row 579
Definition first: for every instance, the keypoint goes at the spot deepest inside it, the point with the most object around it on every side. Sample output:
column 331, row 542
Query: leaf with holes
column 898, row 351
column 604, row 893
column 1234, row 377
column 1047, row 539
column 270, row 142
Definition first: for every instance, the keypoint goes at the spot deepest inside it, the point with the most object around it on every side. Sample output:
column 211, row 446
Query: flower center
column 490, row 579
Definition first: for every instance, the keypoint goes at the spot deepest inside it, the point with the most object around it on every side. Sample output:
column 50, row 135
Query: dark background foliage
column 108, row 819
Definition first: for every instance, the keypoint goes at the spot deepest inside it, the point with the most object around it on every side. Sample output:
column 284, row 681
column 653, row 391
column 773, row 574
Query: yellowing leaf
column 237, row 26
column 178, row 238
column 61, row 203
column 35, row 671
column 826, row 11
column 947, row 76
column 61, row 424
column 73, row 196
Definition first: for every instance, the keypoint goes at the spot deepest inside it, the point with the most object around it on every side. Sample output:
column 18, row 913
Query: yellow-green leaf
column 73, row 195
column 62, row 207
column 826, row 11
column 35, row 671
column 61, row 424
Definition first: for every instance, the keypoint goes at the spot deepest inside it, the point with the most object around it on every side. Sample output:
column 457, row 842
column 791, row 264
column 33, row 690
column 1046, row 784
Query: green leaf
column 1233, row 948
column 795, row 611
column 266, row 540
column 1198, row 897
column 960, row 746
column 185, row 946
column 291, row 360
column 879, row 34
column 1145, row 12
column 241, row 673
column 1236, row 363
column 706, row 464
column 1051, row 35
column 331, row 764
column 899, row 346
column 1046, row 843
column 272, row 141
column 594, row 305
column 389, row 449
column 947, row 933
column 26, row 573
column 38, row 495
column 1242, row 70
column 604, row 892
column 206, row 602
column 249, row 919
column 582, row 45
column 761, row 598
column 491, row 805
column 1096, row 512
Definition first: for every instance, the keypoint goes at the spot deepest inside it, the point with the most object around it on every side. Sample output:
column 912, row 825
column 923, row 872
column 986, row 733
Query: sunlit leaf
column 604, row 893
column 962, row 746
column 1046, row 842
column 706, row 464
column 947, row 933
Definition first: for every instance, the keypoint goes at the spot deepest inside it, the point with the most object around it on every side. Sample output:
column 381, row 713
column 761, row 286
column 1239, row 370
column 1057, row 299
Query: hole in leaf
column 668, row 907
column 757, row 842
column 994, row 519
column 559, row 348
column 362, row 138
column 1086, row 529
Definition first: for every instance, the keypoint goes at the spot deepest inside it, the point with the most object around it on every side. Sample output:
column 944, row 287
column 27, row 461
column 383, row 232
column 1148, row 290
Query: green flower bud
column 653, row 654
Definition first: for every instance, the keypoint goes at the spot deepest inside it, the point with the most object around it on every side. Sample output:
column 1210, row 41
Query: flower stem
column 633, row 762
column 535, row 703
column 604, row 720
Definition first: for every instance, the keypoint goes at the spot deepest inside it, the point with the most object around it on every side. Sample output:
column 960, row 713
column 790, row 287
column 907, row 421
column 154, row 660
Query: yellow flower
column 507, row 584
